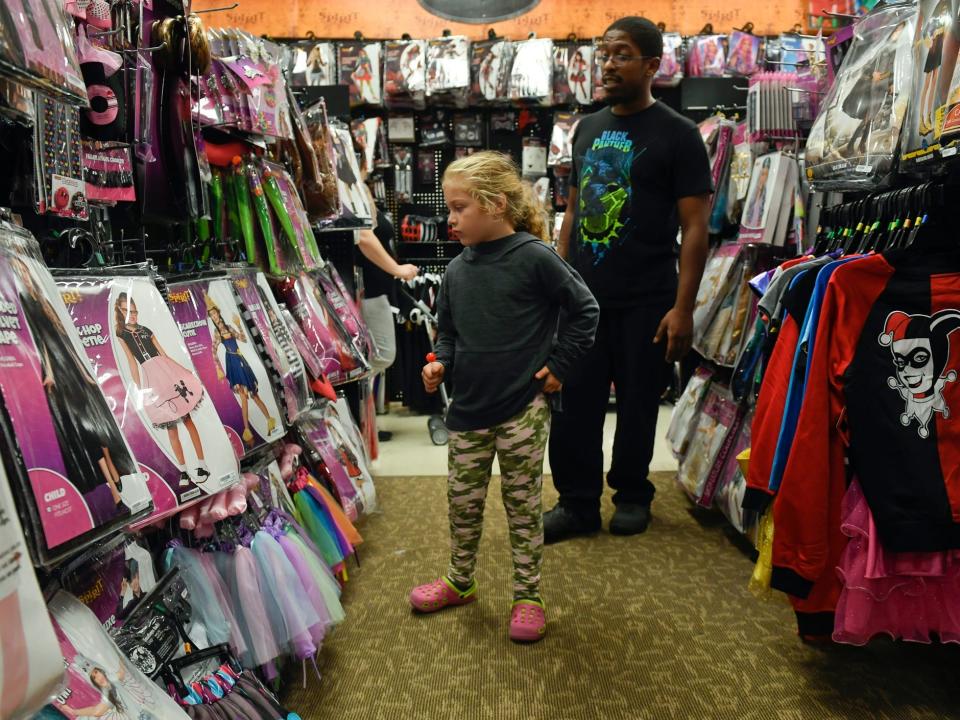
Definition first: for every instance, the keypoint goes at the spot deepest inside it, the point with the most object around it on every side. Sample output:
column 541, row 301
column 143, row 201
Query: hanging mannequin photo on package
column 581, row 68
column 171, row 392
column 87, row 434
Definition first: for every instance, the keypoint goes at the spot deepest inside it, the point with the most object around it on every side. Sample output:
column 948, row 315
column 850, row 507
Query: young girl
column 498, row 311
column 237, row 370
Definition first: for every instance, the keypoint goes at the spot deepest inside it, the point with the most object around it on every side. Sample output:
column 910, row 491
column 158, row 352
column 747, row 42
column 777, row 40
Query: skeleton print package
column 532, row 76
column 491, row 62
column 854, row 138
column 448, row 69
column 405, row 74
column 359, row 69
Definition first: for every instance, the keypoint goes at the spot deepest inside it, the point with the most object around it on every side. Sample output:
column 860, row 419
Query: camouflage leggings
column 520, row 444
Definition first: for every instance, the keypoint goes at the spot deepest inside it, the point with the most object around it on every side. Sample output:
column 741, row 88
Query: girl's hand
column 432, row 376
column 408, row 272
column 551, row 383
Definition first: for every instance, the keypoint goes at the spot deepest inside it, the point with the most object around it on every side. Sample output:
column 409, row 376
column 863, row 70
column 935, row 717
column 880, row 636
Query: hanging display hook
column 219, row 9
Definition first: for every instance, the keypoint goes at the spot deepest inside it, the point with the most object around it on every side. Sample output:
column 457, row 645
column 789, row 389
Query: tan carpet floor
column 659, row 626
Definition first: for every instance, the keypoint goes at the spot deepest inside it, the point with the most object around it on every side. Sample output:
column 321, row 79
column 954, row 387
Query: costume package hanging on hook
column 561, row 142
column 940, row 83
column 145, row 369
column 101, row 681
column 262, row 316
column 706, row 56
column 234, row 376
column 448, row 70
column 599, row 94
column 562, row 55
column 360, row 65
column 580, row 75
column 350, row 316
column 60, row 185
column 405, row 74
column 79, row 478
column 490, row 65
column 854, row 139
column 356, row 201
column 670, row 73
column 328, row 339
column 30, row 667
column 801, row 52
column 743, row 57
column 314, row 63
column 327, row 206
column 532, row 77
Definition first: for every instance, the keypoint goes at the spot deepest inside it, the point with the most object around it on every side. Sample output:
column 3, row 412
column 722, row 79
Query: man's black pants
column 624, row 354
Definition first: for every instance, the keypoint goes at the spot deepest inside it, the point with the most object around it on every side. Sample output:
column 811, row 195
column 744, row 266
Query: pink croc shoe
column 439, row 594
column 528, row 622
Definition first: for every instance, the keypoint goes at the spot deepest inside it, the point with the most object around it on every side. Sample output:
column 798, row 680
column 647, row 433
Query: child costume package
column 145, row 369
column 76, row 467
column 227, row 362
column 360, row 71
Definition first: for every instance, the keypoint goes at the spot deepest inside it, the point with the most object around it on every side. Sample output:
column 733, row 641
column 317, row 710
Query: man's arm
column 677, row 325
column 566, row 229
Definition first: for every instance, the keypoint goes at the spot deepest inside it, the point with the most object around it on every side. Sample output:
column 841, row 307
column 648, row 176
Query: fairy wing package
column 145, row 369
column 228, row 364
column 854, row 139
column 79, row 476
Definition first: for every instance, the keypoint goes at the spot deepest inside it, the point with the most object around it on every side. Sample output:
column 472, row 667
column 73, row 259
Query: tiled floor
column 410, row 452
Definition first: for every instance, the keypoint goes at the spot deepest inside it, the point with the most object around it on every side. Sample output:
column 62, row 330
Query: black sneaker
column 184, row 480
column 562, row 524
column 384, row 435
column 202, row 475
column 630, row 519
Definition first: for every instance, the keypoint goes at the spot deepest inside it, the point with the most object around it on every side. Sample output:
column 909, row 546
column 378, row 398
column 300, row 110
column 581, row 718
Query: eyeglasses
column 619, row 59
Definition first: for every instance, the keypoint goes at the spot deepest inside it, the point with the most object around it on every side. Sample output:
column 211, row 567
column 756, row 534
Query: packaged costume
column 360, row 71
column 561, row 141
column 227, row 362
column 448, row 69
column 145, row 369
column 947, row 120
column 353, row 194
column 30, row 672
column 405, row 74
column 769, row 203
column 532, row 75
column 491, row 62
column 853, row 140
column 101, row 681
column 341, row 361
column 314, row 64
column 262, row 315
column 77, row 469
column 801, row 52
column 580, row 75
column 670, row 72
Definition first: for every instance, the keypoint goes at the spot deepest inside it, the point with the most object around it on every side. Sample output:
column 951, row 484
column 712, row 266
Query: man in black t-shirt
column 640, row 175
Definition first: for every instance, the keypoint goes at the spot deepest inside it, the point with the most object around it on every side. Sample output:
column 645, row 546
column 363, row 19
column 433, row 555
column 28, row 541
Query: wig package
column 227, row 362
column 706, row 56
column 854, row 139
column 78, row 476
column 743, row 56
column 147, row 373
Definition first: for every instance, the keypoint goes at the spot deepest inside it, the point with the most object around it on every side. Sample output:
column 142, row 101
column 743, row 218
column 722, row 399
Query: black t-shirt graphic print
column 629, row 172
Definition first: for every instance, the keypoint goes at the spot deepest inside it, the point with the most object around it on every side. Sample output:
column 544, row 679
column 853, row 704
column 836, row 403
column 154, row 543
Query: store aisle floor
column 654, row 627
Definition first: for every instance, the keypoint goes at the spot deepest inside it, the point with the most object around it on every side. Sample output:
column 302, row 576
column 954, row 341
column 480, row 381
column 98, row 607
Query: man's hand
column 408, row 272
column 677, row 328
column 551, row 383
column 432, row 376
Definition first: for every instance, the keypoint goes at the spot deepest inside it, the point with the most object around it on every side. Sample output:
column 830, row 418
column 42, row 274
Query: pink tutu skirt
column 908, row 596
column 171, row 392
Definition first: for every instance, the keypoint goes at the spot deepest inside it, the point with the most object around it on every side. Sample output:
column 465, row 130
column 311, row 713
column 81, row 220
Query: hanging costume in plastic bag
column 853, row 140
column 144, row 366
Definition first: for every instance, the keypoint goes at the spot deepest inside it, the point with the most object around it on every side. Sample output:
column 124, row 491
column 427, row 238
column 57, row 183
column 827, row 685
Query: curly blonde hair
column 489, row 175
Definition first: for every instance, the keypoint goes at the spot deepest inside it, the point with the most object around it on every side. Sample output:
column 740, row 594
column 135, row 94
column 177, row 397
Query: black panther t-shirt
column 630, row 171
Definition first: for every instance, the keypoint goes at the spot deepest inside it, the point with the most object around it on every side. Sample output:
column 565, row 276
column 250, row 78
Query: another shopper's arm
column 567, row 289
column 566, row 229
column 677, row 325
column 376, row 253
